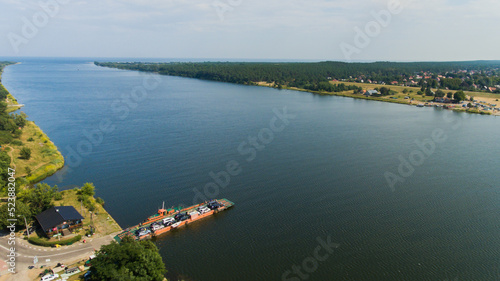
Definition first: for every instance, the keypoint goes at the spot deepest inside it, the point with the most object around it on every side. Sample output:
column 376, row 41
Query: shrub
column 17, row 142
column 87, row 202
column 5, row 137
column 58, row 196
column 49, row 151
column 99, row 200
column 25, row 153
column 17, row 133
column 43, row 242
column 31, row 139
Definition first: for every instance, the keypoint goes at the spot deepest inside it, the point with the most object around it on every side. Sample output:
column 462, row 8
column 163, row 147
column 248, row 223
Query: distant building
column 371, row 93
column 443, row 100
column 57, row 219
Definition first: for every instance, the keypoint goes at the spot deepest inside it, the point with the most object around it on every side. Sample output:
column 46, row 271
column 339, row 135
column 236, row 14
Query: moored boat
column 167, row 219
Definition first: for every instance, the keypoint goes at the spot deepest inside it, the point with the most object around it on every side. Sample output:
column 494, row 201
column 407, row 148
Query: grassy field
column 400, row 89
column 101, row 220
column 399, row 97
column 45, row 158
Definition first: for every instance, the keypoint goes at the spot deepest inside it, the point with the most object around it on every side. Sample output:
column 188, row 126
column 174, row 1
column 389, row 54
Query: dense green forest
column 473, row 75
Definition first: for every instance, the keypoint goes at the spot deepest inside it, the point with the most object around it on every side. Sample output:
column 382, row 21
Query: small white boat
column 176, row 224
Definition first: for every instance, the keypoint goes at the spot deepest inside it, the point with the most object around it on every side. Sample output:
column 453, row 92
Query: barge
column 167, row 219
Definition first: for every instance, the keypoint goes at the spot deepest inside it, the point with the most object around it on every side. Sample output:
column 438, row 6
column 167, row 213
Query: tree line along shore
column 406, row 83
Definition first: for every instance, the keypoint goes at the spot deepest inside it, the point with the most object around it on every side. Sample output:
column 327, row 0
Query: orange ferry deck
column 170, row 213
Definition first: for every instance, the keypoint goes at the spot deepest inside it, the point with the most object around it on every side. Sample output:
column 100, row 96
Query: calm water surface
column 321, row 176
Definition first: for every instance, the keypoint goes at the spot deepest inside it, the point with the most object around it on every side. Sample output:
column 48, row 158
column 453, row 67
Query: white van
column 49, row 277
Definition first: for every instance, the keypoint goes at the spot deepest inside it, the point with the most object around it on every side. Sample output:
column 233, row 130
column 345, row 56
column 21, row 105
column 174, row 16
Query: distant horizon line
column 185, row 59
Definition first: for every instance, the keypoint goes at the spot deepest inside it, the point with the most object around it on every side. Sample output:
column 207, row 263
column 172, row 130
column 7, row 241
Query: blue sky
column 273, row 29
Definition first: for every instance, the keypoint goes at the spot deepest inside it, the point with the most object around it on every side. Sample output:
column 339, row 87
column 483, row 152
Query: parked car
column 71, row 270
column 214, row 205
column 179, row 215
column 184, row 217
column 143, row 231
column 167, row 220
column 156, row 226
column 49, row 277
column 203, row 210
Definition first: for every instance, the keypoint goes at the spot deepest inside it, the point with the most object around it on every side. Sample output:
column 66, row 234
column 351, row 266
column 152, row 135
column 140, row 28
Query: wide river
column 325, row 188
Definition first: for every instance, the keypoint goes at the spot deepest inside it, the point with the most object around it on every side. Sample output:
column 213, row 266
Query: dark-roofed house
column 57, row 219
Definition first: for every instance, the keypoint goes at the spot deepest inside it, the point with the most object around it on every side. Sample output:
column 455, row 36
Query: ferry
column 167, row 219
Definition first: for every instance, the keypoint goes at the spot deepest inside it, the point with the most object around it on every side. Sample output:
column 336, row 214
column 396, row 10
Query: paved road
column 26, row 252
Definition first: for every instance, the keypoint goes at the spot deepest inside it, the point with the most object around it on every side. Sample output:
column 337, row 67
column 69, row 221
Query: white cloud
column 258, row 28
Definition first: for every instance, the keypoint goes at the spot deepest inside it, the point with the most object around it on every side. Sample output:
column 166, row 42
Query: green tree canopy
column 88, row 189
column 440, row 93
column 128, row 260
column 40, row 197
column 22, row 210
column 428, row 92
column 459, row 96
column 4, row 167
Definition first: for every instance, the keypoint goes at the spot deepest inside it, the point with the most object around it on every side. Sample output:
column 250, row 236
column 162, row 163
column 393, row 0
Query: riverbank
column 409, row 98
column 324, row 78
column 45, row 159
